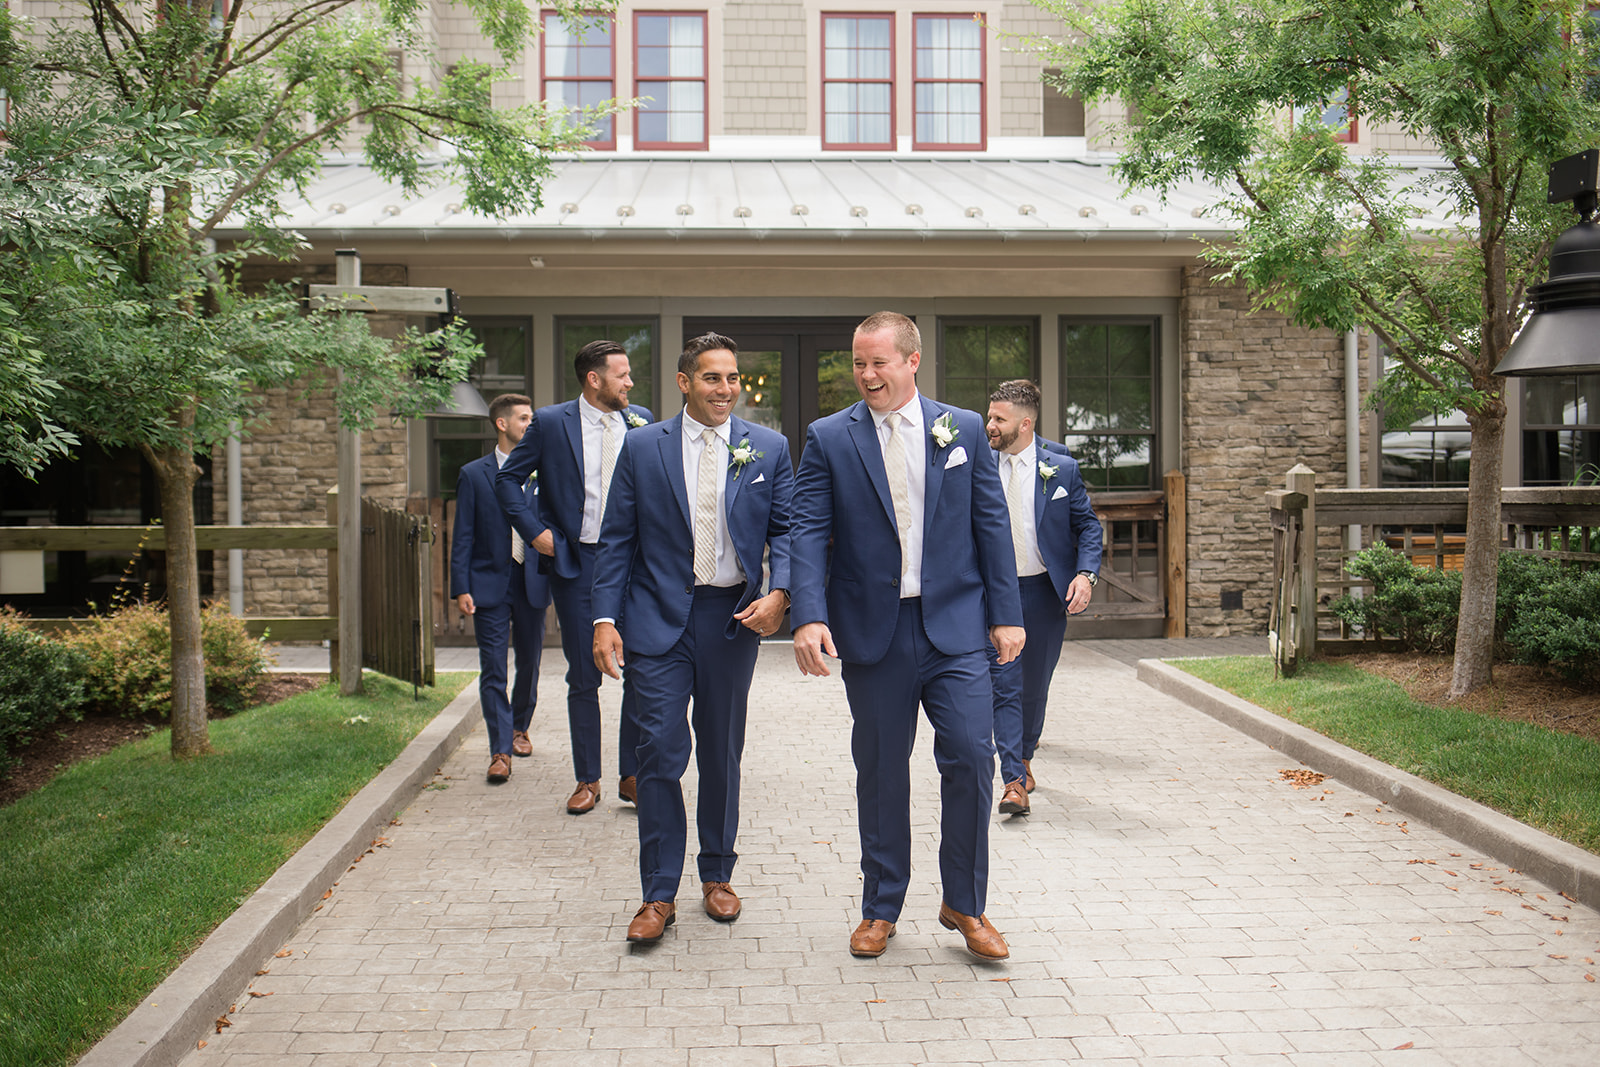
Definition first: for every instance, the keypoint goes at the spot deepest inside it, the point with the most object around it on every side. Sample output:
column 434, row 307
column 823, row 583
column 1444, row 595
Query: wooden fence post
column 1302, row 479
column 333, row 586
column 1177, row 555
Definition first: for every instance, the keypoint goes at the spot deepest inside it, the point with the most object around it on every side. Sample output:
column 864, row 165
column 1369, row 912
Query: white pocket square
column 759, row 479
column 1060, row 492
column 957, row 458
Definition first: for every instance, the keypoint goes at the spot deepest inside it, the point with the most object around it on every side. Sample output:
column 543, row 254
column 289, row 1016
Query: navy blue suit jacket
column 480, row 545
column 969, row 571
column 553, row 446
column 1065, row 526
column 644, row 573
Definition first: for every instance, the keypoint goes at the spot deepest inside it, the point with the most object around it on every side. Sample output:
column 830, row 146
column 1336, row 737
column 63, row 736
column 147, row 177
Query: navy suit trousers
column 525, row 625
column 1022, row 686
column 573, row 599
column 716, row 671
column 955, row 693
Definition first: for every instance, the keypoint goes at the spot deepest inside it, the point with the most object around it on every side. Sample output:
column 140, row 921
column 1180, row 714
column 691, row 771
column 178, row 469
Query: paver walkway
column 1172, row 899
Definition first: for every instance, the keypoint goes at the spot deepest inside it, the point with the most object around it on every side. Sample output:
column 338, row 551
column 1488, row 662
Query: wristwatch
column 1094, row 578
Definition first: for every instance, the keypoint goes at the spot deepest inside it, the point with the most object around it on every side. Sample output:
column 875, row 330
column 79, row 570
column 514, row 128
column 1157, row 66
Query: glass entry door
column 793, row 370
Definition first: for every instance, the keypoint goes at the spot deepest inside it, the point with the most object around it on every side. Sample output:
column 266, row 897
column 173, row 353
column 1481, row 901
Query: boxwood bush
column 41, row 683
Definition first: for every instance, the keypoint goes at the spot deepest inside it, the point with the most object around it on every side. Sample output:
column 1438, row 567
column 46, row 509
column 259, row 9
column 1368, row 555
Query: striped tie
column 1016, row 501
column 705, row 510
column 894, row 462
column 608, row 457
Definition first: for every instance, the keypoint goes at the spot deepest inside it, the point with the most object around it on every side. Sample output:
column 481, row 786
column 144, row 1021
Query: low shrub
column 1412, row 604
column 129, row 656
column 1556, row 624
column 41, row 683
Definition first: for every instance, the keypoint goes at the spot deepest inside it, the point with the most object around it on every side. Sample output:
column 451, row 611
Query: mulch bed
column 66, row 743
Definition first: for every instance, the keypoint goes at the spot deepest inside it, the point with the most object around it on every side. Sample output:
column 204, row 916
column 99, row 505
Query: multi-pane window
column 1108, row 401
column 578, row 70
column 670, row 69
column 947, row 80
column 858, row 81
column 636, row 336
column 1561, row 430
column 975, row 356
column 1432, row 451
column 507, row 357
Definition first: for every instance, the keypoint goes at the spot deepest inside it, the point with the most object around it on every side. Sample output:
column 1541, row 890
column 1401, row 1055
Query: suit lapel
column 669, row 447
column 936, row 461
column 865, row 434
column 574, row 426
column 1042, row 497
column 736, row 432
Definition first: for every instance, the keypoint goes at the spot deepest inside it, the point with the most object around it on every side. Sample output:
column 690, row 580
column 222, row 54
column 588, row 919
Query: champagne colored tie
column 519, row 551
column 705, row 509
column 894, row 462
column 608, row 457
column 1016, row 501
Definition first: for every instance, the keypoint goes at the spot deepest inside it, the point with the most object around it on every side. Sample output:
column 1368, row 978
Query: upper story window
column 669, row 67
column 858, row 81
column 578, row 69
column 947, row 72
column 1336, row 113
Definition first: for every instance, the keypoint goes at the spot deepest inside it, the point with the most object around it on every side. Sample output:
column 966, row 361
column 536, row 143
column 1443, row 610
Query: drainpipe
column 235, row 518
column 1352, row 423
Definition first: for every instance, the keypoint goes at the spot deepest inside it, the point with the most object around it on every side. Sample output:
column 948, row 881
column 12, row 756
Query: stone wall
column 1260, row 394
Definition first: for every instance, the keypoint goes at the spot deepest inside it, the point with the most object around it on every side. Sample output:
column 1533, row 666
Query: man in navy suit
column 920, row 582
column 573, row 448
column 502, row 589
column 1056, row 539
column 698, row 500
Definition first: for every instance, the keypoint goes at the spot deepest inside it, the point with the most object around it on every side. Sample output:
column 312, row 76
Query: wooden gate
column 396, row 593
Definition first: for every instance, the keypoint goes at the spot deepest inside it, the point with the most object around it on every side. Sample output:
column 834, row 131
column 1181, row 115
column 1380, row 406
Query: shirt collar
column 592, row 413
column 910, row 412
column 500, row 457
column 693, row 427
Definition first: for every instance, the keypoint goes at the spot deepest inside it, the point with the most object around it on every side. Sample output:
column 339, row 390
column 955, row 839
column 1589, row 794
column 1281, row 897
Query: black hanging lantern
column 1562, row 335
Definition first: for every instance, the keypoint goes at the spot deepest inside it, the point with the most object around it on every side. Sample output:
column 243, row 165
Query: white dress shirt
column 1033, row 563
column 729, row 573
column 594, row 421
column 914, row 436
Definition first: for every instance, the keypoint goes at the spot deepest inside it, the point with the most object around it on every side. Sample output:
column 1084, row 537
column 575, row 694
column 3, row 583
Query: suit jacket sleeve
column 809, row 531
column 780, row 523
column 1086, row 530
column 619, row 535
column 462, row 535
column 991, row 532
column 508, row 483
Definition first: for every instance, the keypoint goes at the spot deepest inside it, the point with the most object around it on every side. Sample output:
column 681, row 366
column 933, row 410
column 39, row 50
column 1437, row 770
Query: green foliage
column 1556, row 623
column 1413, row 604
column 128, row 660
column 41, row 683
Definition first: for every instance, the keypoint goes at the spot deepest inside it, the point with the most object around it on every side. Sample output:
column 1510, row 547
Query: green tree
column 142, row 336
column 1501, row 88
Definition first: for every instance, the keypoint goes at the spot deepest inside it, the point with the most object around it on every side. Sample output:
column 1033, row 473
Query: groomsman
column 1056, row 540
column 573, row 447
column 697, row 501
column 920, row 581
column 505, row 596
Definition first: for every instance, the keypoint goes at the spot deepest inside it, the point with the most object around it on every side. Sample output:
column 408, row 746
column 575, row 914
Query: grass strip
column 122, row 865
column 1542, row 777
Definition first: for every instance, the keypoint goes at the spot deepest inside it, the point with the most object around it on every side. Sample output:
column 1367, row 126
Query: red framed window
column 669, row 67
column 947, row 75
column 857, row 81
column 578, row 68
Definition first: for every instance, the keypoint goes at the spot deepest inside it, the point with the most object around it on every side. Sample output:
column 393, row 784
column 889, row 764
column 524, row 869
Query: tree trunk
column 177, row 473
column 1480, row 574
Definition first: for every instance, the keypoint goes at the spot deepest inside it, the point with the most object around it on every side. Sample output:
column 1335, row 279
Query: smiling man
column 919, row 583
column 697, row 501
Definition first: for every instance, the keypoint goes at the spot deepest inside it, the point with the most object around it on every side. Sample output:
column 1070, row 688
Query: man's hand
column 608, row 649
column 811, row 642
column 465, row 605
column 1007, row 641
column 545, row 543
column 765, row 614
column 1078, row 594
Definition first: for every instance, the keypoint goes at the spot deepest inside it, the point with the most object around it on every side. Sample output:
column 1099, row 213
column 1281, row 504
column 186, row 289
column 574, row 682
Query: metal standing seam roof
column 897, row 198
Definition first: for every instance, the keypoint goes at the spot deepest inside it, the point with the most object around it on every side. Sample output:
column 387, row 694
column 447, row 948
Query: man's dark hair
column 500, row 407
column 1019, row 393
column 593, row 357
column 689, row 362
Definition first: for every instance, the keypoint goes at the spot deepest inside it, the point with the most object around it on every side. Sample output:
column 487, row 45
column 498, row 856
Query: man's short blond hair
column 907, row 338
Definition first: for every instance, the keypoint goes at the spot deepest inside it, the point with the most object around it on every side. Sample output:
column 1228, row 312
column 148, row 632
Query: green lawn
column 121, row 866
column 1539, row 776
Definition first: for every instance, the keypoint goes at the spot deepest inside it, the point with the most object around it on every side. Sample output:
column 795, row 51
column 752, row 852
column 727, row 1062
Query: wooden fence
column 396, row 593
column 1316, row 531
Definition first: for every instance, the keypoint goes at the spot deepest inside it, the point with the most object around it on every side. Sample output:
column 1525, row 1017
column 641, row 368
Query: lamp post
column 1562, row 336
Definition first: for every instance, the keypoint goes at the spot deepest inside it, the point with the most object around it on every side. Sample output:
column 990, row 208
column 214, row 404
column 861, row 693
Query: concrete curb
column 1563, row 867
column 182, row 1009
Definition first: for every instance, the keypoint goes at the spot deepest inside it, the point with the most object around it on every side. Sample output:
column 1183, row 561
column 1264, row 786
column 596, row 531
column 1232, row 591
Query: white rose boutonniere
column 634, row 421
column 944, row 430
column 740, row 454
column 1047, row 471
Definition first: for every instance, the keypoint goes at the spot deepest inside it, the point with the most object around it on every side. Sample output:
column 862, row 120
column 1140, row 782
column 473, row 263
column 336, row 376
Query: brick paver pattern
column 1171, row 899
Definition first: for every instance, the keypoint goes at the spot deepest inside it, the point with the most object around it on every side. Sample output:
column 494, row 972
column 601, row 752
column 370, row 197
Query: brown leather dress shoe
column 652, row 920
column 871, row 938
column 1027, row 773
column 722, row 903
column 583, row 798
column 1015, row 800
column 499, row 767
column 983, row 940
column 628, row 789
column 520, row 745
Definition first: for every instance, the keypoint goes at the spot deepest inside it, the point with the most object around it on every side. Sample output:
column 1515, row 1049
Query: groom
column 920, row 580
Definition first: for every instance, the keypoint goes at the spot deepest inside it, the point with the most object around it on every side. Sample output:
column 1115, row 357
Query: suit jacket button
column 895, row 582
column 689, row 589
